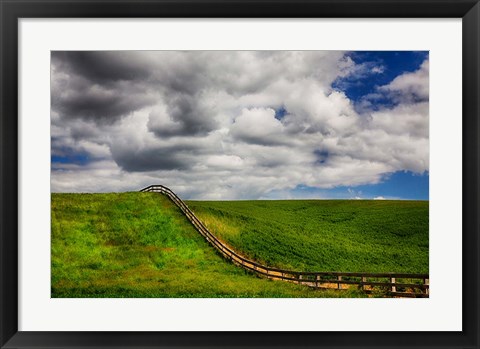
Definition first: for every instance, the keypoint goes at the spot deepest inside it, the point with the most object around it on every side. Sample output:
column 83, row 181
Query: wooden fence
column 392, row 284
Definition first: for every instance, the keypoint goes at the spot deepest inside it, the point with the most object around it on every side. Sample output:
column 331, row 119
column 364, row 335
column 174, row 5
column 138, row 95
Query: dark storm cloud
column 97, row 86
column 101, row 106
column 102, row 66
column 153, row 159
column 83, row 130
column 188, row 116
column 103, row 87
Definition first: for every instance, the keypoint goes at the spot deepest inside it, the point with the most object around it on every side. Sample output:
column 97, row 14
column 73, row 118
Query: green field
column 324, row 235
column 140, row 245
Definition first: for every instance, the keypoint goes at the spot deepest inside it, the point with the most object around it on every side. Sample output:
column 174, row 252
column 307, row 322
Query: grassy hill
column 140, row 245
column 324, row 235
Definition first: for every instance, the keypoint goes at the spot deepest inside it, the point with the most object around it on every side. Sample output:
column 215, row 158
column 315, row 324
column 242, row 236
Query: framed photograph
column 239, row 174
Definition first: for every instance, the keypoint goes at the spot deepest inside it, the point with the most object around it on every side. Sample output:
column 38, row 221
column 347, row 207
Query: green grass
column 140, row 245
column 324, row 235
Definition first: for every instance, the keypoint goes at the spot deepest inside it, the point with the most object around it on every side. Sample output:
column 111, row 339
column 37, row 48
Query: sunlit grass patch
column 141, row 245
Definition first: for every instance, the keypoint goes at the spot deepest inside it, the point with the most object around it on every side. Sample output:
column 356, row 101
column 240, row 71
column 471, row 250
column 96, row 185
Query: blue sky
column 394, row 63
column 224, row 125
column 395, row 186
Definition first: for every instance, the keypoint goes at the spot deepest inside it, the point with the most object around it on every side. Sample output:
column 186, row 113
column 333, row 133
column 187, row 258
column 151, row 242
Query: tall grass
column 140, row 245
column 324, row 235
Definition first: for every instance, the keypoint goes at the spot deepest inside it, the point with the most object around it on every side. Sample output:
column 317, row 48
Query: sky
column 236, row 125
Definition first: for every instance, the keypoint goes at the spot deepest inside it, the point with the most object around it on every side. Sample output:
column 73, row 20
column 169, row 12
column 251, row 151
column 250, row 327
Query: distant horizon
column 260, row 199
column 310, row 199
column 242, row 125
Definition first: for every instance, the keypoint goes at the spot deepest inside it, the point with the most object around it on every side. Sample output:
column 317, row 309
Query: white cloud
column 378, row 70
column 226, row 162
column 379, row 198
column 411, row 85
column 258, row 126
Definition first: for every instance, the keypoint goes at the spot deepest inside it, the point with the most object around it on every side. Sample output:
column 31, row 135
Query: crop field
column 324, row 235
column 140, row 245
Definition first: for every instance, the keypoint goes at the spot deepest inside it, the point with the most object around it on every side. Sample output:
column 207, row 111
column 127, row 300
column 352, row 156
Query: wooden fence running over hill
column 392, row 284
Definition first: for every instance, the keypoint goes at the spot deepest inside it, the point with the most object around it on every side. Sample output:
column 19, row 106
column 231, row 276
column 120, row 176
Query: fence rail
column 394, row 284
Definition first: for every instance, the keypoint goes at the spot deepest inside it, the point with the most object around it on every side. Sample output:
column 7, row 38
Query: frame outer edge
column 9, row 175
column 242, row 8
column 10, row 12
column 3, row 318
column 471, row 166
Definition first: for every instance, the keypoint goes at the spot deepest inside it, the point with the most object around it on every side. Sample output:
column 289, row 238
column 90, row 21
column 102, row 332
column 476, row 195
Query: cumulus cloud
column 410, row 87
column 229, row 125
column 258, row 126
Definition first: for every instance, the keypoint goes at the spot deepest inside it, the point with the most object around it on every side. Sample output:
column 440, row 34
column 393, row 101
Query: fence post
column 317, row 279
column 364, row 279
column 339, row 285
column 427, row 282
column 394, row 288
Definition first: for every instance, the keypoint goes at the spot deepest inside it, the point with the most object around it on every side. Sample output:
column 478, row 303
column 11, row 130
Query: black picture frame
column 12, row 11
